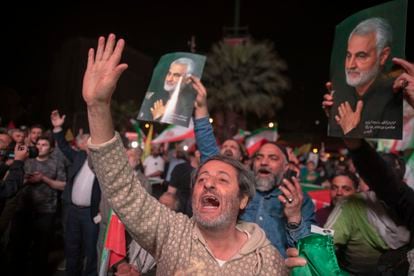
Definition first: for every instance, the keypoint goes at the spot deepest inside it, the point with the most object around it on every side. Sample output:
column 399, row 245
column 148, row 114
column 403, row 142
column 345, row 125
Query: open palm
column 103, row 70
column 347, row 118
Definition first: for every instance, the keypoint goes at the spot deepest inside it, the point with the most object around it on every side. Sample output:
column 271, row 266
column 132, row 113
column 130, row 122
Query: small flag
column 175, row 133
column 304, row 149
column 140, row 136
column 259, row 137
column 241, row 135
column 115, row 244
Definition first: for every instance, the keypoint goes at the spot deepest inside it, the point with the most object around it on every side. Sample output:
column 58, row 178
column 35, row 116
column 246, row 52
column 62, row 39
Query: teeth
column 210, row 201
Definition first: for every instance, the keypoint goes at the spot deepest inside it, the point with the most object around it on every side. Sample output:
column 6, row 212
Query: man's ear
column 385, row 54
column 243, row 202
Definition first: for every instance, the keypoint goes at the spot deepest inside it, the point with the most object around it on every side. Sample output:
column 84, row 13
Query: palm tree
column 243, row 81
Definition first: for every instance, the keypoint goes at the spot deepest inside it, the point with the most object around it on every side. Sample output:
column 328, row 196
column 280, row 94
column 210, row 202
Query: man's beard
column 364, row 76
column 265, row 184
column 228, row 153
column 223, row 220
column 169, row 87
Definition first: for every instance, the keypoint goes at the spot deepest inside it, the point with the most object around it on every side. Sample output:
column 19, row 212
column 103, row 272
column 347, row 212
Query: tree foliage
column 247, row 79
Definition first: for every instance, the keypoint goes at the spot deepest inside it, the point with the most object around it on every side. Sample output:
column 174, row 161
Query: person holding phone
column 15, row 176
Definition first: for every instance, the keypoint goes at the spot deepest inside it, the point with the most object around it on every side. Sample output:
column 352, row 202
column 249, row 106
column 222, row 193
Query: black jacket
column 12, row 183
column 386, row 184
column 78, row 159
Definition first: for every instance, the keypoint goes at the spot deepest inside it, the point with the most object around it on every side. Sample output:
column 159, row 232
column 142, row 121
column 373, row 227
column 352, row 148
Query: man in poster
column 173, row 103
column 366, row 106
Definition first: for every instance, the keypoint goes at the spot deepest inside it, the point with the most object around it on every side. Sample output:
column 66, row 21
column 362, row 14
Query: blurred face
column 18, row 137
column 34, row 134
column 310, row 166
column 44, row 148
column 216, row 202
column 341, row 187
column 155, row 151
column 133, row 157
column 4, row 141
column 362, row 63
column 230, row 148
column 174, row 73
column 269, row 166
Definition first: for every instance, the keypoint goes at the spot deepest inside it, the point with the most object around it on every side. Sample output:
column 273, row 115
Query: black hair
column 279, row 146
column 242, row 149
column 354, row 178
column 245, row 177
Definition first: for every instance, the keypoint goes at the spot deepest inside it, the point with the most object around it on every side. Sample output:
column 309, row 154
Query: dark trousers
column 30, row 237
column 80, row 233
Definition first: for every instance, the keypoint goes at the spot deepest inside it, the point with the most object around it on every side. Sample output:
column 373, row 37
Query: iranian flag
column 259, row 137
column 175, row 133
column 407, row 142
column 241, row 135
column 115, row 244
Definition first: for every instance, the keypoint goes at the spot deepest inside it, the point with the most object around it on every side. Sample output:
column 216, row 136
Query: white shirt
column 82, row 186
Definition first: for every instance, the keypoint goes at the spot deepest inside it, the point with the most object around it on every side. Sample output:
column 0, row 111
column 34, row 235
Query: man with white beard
column 367, row 107
column 279, row 206
column 168, row 104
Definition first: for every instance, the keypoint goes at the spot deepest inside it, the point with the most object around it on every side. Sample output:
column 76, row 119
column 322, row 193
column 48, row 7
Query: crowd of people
column 218, row 211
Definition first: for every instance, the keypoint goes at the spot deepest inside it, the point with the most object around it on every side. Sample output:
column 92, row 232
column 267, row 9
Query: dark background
column 44, row 49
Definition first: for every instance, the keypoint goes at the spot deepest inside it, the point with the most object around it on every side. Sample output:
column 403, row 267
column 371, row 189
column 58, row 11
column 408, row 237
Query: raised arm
column 57, row 122
column 147, row 220
column 205, row 139
column 375, row 172
column 99, row 82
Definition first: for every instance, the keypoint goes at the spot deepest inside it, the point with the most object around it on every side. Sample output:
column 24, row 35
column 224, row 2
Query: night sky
column 302, row 32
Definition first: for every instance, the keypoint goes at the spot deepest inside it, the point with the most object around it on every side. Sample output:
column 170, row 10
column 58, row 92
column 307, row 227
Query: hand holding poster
column 364, row 104
column 170, row 96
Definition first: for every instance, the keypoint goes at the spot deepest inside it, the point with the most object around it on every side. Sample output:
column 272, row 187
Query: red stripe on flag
column 115, row 241
column 320, row 198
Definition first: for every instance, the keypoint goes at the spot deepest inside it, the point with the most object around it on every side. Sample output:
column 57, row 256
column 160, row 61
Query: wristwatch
column 292, row 225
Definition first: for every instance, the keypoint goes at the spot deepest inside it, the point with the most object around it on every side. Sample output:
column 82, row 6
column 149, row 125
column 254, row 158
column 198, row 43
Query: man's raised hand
column 103, row 71
column 327, row 102
column 200, row 103
column 57, row 120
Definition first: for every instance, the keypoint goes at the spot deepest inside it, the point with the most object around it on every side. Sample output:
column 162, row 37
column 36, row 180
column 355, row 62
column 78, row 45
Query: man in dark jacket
column 13, row 178
column 82, row 196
